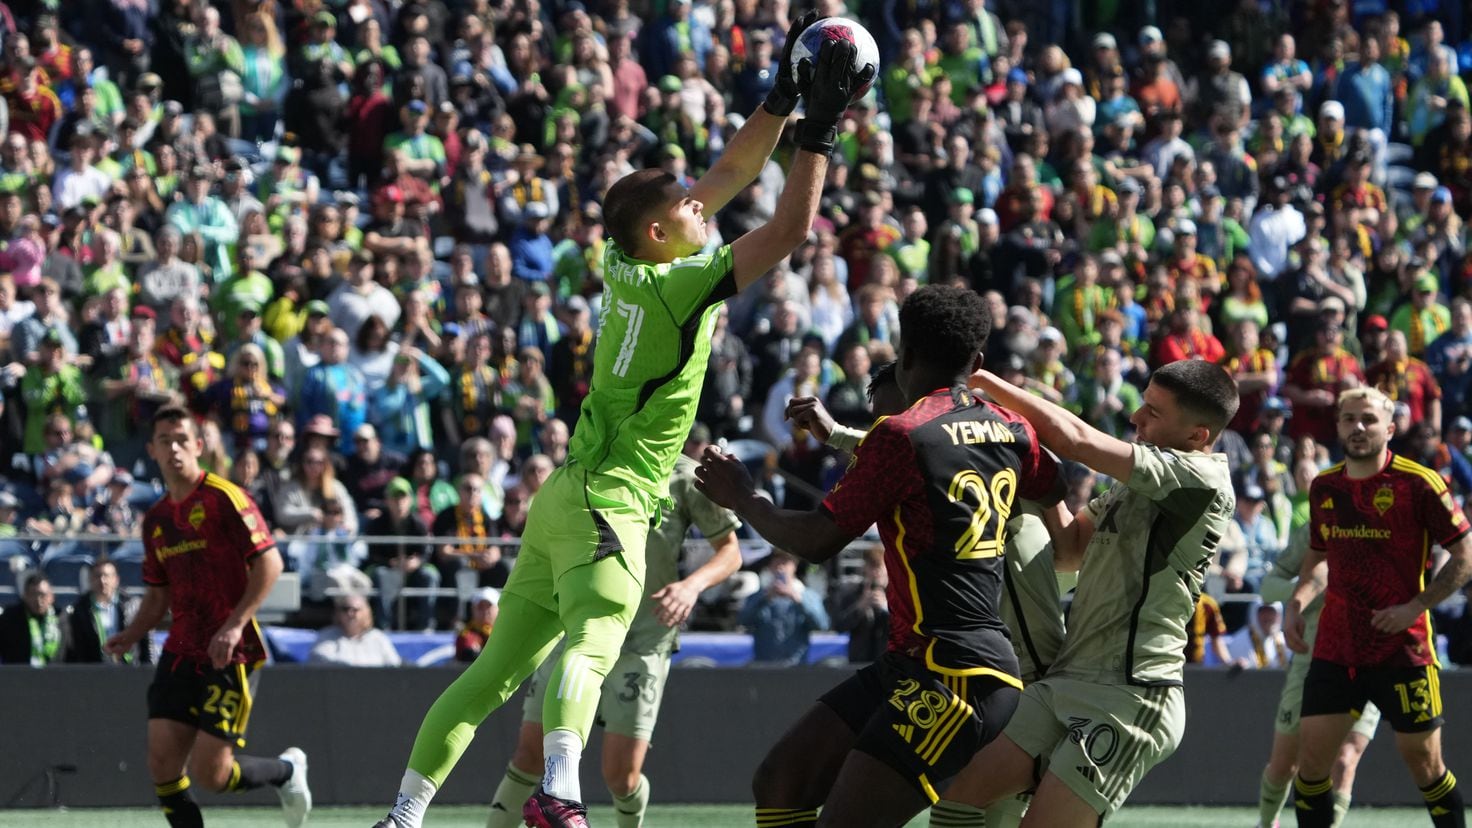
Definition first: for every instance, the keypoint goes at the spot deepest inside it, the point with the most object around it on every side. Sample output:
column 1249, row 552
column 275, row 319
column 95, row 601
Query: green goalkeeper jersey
column 653, row 345
column 1142, row 573
column 689, row 508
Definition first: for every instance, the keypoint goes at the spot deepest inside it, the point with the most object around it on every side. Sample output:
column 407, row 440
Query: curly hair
column 944, row 325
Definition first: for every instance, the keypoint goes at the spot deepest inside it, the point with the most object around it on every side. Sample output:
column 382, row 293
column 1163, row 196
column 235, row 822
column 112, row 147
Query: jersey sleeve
column 697, row 282
column 245, row 524
column 1440, row 514
column 1159, row 474
column 884, row 471
column 712, row 520
column 153, row 570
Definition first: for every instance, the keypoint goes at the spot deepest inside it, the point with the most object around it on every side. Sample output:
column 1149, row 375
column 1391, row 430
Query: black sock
column 786, row 817
column 250, row 772
column 1314, row 802
column 179, row 806
column 1444, row 802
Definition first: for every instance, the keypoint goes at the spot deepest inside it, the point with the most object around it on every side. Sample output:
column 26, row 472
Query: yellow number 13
column 995, row 497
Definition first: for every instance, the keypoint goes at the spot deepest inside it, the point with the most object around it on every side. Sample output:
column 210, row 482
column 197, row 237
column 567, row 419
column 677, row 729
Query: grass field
column 666, row 816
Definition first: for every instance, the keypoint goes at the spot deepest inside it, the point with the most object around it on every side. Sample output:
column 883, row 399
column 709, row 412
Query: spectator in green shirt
column 423, row 154
column 52, row 386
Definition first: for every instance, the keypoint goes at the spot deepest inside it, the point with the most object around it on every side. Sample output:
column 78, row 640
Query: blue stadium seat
column 130, row 572
column 127, row 551
column 65, row 571
column 11, row 549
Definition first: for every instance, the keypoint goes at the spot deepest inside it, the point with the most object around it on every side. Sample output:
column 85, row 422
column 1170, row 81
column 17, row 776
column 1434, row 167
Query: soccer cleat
column 546, row 811
column 296, row 797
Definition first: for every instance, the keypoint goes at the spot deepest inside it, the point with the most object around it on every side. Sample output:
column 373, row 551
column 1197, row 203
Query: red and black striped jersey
column 940, row 480
column 201, row 548
column 1376, row 534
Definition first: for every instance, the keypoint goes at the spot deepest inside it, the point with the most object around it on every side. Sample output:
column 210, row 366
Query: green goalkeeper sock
column 629, row 808
column 949, row 814
column 515, row 789
column 1270, row 798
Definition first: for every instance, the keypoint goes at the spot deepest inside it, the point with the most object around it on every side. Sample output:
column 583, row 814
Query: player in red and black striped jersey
column 1373, row 519
column 940, row 479
column 211, row 560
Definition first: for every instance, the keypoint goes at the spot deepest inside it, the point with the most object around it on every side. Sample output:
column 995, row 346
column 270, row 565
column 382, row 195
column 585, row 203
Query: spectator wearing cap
column 531, row 247
column 571, row 367
column 1071, row 107
column 1449, row 357
column 1018, row 114
column 539, row 327
column 302, row 351
column 1403, row 378
column 1184, row 263
column 1329, row 135
column 249, row 289
column 1220, row 89
column 484, row 608
column 264, row 80
column 1314, row 380
column 1274, row 229
column 202, row 213
column 134, row 383
column 360, row 297
column 52, row 385
column 524, row 186
column 1422, row 319
column 49, row 314
column 402, row 563
column 1426, row 105
column 321, row 46
column 286, row 188
column 422, row 153
column 336, row 389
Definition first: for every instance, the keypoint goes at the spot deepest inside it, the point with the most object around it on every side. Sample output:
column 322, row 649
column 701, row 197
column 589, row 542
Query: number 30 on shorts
column 993, row 499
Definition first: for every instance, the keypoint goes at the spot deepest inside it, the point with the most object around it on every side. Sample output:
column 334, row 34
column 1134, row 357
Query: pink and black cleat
column 546, row 811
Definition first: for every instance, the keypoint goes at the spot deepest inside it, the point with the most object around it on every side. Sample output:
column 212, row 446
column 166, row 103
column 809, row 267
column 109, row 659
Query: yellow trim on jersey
column 1433, row 678
column 967, row 671
column 929, row 789
column 237, row 496
column 1401, row 464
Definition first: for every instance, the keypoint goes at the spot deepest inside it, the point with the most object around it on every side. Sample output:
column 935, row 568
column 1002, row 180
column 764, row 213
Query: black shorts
column 1409, row 698
column 217, row 702
column 923, row 724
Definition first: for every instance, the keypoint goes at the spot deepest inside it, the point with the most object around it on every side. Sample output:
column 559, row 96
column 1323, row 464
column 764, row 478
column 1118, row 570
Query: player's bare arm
column 828, row 84
column 262, row 576
column 1313, row 579
column 752, row 145
column 1070, row 534
column 151, row 612
column 812, row 536
column 811, row 414
column 1453, row 575
column 677, row 599
column 1060, row 430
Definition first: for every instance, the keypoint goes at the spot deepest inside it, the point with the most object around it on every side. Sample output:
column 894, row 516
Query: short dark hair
column 880, row 377
column 170, row 413
column 1201, row 388
column 629, row 203
column 944, row 325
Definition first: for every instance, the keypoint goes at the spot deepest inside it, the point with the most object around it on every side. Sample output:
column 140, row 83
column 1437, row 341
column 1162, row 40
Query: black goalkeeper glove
column 783, row 97
column 829, row 85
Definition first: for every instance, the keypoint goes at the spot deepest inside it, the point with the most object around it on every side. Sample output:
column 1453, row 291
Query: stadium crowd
column 363, row 240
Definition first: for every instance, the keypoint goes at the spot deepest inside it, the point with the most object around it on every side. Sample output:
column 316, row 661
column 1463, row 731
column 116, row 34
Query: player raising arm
column 209, row 558
column 581, row 566
column 940, row 480
column 1111, row 706
column 1373, row 519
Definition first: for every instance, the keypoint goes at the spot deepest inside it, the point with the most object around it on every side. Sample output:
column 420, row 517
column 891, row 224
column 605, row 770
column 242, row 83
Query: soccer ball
column 837, row 28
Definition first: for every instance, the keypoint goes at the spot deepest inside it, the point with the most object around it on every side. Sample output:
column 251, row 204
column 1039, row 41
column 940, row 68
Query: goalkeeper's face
column 681, row 228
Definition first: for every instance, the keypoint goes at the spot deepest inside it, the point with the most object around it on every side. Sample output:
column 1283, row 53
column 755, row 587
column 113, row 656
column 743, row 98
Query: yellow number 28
column 992, row 500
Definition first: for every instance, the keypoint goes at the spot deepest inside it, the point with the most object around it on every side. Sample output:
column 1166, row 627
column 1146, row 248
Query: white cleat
column 296, row 797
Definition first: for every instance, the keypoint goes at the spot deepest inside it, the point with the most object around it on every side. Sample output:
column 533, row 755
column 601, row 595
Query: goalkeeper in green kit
column 581, row 567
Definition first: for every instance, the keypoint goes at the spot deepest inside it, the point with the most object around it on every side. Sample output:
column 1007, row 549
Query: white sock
column 563, row 750
column 415, row 792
